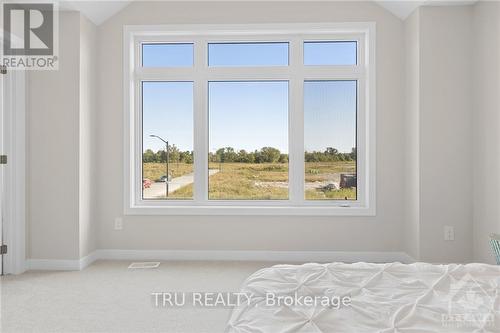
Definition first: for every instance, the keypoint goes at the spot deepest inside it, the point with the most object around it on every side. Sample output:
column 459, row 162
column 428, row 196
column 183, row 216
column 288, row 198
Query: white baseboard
column 88, row 260
column 52, row 265
column 285, row 256
column 187, row 255
column 61, row 265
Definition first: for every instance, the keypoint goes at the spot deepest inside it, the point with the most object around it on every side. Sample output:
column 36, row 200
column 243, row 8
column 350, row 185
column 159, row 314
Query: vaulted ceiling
column 99, row 11
column 403, row 9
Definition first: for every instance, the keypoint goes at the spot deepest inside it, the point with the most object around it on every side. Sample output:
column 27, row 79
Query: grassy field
column 341, row 194
column 320, row 171
column 261, row 181
column 154, row 171
column 249, row 181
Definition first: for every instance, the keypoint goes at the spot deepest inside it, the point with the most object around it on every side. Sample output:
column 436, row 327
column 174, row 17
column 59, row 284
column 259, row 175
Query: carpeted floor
column 107, row 297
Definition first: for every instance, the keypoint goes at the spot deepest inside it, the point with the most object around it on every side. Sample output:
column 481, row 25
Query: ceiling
column 99, row 11
column 403, row 9
column 95, row 10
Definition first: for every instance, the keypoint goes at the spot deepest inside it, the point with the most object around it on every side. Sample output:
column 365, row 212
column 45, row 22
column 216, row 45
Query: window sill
column 251, row 210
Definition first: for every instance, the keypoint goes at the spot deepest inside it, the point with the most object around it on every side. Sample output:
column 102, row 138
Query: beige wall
column 486, row 122
column 453, row 114
column 438, row 179
column 88, row 144
column 60, row 148
column 411, row 125
column 52, row 151
column 380, row 233
column 431, row 117
column 445, row 132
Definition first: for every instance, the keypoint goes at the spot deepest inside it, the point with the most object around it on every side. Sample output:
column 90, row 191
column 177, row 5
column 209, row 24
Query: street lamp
column 166, row 162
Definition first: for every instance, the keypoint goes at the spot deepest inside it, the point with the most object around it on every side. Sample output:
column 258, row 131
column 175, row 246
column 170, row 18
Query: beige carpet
column 107, row 297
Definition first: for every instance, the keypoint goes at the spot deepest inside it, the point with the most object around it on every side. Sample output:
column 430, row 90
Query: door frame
column 14, row 210
column 14, row 226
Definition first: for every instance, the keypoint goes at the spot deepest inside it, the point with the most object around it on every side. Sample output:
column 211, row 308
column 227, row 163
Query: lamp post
column 166, row 161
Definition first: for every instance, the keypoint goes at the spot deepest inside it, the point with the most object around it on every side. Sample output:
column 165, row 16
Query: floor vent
column 144, row 265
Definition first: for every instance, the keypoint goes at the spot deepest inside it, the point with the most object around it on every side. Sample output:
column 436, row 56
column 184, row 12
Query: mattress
column 364, row 297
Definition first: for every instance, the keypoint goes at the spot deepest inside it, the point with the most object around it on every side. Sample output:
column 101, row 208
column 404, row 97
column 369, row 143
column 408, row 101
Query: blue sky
column 171, row 55
column 168, row 112
column 330, row 53
column 329, row 115
column 248, row 54
column 250, row 115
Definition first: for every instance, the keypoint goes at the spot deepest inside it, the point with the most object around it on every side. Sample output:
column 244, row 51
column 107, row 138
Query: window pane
column 167, row 112
column 248, row 140
column 330, row 140
column 330, row 53
column 167, row 55
column 248, row 54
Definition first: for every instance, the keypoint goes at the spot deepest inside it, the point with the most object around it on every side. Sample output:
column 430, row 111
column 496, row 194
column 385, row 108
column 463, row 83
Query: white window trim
column 295, row 73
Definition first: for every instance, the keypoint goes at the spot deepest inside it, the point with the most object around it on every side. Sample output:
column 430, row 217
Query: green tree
column 220, row 155
column 269, row 155
column 283, row 158
column 148, row 156
column 226, row 155
column 174, row 154
column 161, row 157
column 243, row 156
column 186, row 157
column 354, row 154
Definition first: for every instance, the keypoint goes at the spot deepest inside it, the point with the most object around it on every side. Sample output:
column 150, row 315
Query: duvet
column 363, row 297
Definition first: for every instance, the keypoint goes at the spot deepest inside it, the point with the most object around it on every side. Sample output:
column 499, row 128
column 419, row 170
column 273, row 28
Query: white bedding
column 417, row 298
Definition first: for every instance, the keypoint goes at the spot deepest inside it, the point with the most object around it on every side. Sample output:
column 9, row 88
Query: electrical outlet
column 118, row 223
column 449, row 233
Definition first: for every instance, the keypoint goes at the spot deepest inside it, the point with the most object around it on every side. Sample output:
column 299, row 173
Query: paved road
column 157, row 190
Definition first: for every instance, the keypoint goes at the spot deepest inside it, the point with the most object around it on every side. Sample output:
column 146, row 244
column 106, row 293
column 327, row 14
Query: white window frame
column 295, row 73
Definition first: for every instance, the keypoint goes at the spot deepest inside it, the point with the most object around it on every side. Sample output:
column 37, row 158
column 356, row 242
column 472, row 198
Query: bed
column 394, row 297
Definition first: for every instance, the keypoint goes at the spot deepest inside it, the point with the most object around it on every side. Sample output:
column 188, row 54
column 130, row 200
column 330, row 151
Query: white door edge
column 12, row 177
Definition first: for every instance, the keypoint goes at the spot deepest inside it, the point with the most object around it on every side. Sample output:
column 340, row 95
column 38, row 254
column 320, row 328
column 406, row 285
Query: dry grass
column 185, row 192
column 239, row 181
column 242, row 181
column 341, row 194
column 154, row 171
column 329, row 172
column 323, row 171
